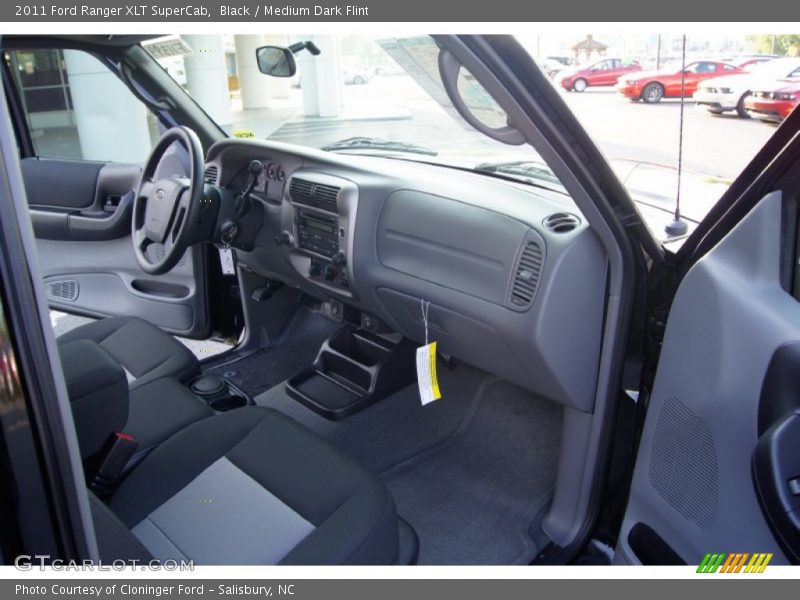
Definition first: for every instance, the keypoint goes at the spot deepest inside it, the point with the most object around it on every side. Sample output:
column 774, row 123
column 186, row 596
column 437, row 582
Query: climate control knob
column 329, row 272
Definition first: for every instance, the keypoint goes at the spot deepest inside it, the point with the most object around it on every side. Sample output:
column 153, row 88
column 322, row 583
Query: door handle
column 102, row 226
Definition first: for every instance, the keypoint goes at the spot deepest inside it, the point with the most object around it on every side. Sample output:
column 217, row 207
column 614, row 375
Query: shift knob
column 255, row 167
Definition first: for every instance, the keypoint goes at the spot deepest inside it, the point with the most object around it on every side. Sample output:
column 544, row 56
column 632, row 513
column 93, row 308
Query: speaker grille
column 683, row 463
column 63, row 290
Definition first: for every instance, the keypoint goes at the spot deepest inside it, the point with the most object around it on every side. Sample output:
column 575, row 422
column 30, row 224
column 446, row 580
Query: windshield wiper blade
column 530, row 169
column 373, row 143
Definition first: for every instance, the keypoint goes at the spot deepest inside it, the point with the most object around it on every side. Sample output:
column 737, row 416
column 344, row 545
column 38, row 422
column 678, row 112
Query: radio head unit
column 317, row 233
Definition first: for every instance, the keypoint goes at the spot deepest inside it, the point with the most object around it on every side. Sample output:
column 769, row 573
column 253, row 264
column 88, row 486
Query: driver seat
column 145, row 352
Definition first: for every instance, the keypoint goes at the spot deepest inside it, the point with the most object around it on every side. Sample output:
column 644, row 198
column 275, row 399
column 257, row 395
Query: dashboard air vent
column 63, row 290
column 325, row 197
column 212, row 172
column 561, row 222
column 526, row 275
column 318, row 195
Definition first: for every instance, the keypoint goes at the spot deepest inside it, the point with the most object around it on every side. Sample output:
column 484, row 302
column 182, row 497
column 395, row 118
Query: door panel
column 693, row 485
column 79, row 200
column 77, row 182
column 81, row 213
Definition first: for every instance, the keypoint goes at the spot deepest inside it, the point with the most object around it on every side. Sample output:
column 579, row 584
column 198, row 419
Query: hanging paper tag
column 426, row 373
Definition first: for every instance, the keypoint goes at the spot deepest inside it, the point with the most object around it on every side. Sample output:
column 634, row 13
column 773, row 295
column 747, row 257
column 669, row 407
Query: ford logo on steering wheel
column 160, row 194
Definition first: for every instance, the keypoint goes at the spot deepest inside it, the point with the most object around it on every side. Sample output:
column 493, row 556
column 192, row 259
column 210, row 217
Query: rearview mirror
column 276, row 61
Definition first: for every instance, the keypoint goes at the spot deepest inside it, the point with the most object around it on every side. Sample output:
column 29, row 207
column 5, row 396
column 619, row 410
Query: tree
column 787, row 45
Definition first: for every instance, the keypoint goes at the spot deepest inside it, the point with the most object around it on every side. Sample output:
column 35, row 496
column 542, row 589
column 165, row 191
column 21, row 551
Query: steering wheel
column 166, row 210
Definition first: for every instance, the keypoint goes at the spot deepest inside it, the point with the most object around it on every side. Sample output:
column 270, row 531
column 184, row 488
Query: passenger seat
column 144, row 351
column 152, row 364
column 251, row 487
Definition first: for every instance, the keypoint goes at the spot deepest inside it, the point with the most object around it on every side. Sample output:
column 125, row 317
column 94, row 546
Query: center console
column 321, row 220
column 353, row 370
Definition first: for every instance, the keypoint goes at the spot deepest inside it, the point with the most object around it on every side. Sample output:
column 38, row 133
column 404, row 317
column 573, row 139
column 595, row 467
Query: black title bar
column 120, row 11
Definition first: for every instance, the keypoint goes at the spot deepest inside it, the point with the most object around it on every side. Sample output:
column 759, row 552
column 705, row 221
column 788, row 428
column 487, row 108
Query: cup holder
column 353, row 370
column 220, row 394
column 228, row 403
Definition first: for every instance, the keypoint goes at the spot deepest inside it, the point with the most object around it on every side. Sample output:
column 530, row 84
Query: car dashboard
column 512, row 278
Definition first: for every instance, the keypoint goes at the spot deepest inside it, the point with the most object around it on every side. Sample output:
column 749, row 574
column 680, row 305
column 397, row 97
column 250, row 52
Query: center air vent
column 313, row 194
column 561, row 222
column 211, row 174
column 526, row 276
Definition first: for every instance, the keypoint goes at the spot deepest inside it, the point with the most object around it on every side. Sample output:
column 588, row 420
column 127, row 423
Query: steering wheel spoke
column 146, row 188
column 140, row 239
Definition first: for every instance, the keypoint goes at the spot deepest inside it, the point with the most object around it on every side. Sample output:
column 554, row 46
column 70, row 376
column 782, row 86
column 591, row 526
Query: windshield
column 383, row 96
column 371, row 95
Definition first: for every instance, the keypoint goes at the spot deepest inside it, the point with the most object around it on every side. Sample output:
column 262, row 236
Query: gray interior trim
column 692, row 482
column 575, row 520
column 223, row 517
column 563, row 347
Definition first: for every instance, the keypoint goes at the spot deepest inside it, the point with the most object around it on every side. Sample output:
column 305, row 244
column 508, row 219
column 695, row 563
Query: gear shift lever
column 243, row 202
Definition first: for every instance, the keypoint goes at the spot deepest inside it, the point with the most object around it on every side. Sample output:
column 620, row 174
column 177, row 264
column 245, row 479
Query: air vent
column 318, row 195
column 63, row 290
column 301, row 191
column 212, row 172
column 325, row 197
column 561, row 222
column 526, row 275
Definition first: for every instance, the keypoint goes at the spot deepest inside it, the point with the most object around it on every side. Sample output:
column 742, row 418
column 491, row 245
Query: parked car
column 652, row 86
column 355, row 76
column 774, row 105
column 604, row 72
column 748, row 61
column 728, row 93
column 551, row 66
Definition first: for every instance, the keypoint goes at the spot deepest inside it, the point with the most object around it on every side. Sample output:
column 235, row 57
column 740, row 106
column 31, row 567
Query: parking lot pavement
column 716, row 145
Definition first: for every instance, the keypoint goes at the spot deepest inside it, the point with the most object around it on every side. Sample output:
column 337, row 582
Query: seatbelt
column 111, row 463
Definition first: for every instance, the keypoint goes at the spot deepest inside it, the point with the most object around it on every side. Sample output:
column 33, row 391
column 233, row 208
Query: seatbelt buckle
column 118, row 452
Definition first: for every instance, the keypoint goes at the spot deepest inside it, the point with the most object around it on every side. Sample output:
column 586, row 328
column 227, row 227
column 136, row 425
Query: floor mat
column 293, row 351
column 479, row 498
column 398, row 427
column 471, row 472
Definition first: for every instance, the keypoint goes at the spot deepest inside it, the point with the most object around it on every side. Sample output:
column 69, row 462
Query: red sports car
column 773, row 105
column 605, row 71
column 652, row 86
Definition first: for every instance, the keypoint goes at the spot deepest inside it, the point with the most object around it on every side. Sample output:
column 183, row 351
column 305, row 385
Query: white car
column 723, row 94
column 355, row 76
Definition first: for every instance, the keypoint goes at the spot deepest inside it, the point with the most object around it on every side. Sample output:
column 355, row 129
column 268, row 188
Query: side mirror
column 276, row 61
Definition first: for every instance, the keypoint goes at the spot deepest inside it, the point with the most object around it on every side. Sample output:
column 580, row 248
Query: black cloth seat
column 142, row 349
column 160, row 408
column 249, row 487
column 96, row 356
